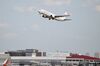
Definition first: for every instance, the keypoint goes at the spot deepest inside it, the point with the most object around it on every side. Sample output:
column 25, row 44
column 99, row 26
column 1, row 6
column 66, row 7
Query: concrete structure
column 97, row 55
column 84, row 60
column 27, row 52
column 33, row 57
column 72, row 60
column 37, row 60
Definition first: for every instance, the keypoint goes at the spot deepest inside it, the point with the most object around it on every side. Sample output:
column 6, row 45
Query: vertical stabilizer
column 67, row 14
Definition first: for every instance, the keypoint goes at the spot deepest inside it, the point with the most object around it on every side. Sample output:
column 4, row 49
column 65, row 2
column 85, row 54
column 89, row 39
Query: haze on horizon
column 21, row 26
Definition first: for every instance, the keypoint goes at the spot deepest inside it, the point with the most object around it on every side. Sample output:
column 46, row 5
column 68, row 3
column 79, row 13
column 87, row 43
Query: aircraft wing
column 45, row 15
column 61, row 16
column 63, row 20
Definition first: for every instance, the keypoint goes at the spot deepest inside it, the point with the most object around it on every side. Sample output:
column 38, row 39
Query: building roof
column 83, row 56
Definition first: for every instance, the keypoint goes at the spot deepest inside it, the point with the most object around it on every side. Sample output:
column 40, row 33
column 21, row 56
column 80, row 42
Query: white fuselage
column 42, row 11
column 61, row 19
column 47, row 14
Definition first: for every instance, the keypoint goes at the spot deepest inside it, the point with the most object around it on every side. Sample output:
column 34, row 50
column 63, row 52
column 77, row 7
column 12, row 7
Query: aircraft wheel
column 49, row 18
column 42, row 15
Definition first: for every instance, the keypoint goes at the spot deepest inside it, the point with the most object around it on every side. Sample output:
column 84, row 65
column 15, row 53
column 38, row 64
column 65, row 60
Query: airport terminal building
column 34, row 57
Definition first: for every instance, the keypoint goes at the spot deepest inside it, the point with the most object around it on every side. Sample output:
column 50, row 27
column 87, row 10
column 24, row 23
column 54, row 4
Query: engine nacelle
column 52, row 17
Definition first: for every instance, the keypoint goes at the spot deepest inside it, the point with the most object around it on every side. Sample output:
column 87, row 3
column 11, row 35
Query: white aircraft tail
column 66, row 13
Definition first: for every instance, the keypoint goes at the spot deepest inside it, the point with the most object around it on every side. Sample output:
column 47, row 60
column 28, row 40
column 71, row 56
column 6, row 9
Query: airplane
column 49, row 15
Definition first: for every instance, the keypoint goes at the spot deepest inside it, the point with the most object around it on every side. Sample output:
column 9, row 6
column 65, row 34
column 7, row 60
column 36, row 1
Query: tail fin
column 67, row 14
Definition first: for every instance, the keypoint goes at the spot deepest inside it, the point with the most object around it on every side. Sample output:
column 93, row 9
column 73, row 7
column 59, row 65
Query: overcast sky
column 21, row 26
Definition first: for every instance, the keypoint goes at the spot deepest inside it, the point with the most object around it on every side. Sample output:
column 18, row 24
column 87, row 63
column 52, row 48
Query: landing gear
column 51, row 17
column 42, row 15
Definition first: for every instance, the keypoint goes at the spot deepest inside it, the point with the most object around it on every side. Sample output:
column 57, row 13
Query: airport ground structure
column 34, row 57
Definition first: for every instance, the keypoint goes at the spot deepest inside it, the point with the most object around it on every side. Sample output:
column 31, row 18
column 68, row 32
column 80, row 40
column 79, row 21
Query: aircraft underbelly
column 60, row 18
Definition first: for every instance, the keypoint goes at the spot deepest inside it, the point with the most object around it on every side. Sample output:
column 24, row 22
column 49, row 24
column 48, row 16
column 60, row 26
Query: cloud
column 3, row 28
column 24, row 8
column 9, row 35
column 35, row 27
column 92, row 3
column 3, row 25
column 88, row 3
column 98, row 8
column 57, row 2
